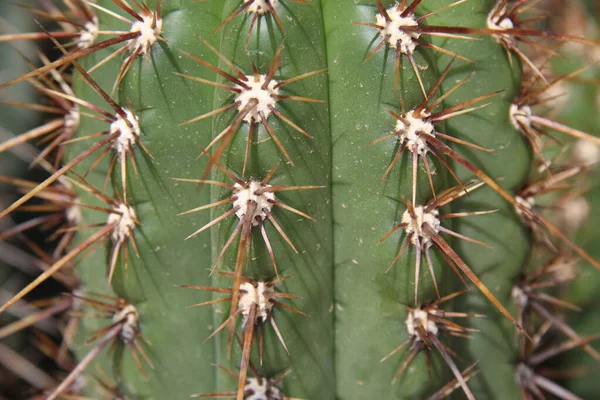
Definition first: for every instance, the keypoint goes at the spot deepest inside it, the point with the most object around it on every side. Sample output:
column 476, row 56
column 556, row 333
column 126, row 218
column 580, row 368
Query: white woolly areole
column 415, row 225
column 575, row 213
column 393, row 33
column 129, row 317
column 89, row 34
column 73, row 214
column 565, row 270
column 410, row 132
column 72, row 120
column 519, row 296
column 129, row 130
column 520, row 115
column 76, row 302
column 561, row 94
column 261, row 389
column 524, row 375
column 498, row 23
column 148, row 34
column 258, row 296
column 78, row 386
column 245, row 196
column 124, row 217
column 265, row 97
column 419, row 318
column 526, row 202
column 260, row 6
column 586, row 153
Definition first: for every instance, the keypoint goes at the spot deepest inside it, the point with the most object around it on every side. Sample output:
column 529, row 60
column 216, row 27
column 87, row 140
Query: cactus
column 263, row 199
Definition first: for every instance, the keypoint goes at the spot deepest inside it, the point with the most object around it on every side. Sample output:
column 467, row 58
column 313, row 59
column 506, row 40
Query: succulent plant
column 348, row 186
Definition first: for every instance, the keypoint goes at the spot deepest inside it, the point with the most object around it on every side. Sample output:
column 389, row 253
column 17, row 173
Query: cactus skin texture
column 356, row 310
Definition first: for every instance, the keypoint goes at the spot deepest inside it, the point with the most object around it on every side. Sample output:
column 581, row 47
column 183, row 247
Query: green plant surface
column 358, row 317
column 356, row 310
column 310, row 340
column 369, row 304
column 493, row 346
column 157, row 199
column 163, row 101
